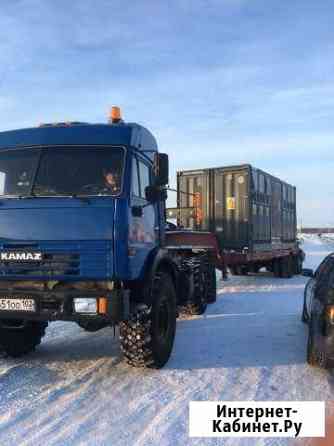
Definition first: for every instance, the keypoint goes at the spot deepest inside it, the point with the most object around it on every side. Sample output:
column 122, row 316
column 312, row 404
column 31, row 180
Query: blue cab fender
column 158, row 260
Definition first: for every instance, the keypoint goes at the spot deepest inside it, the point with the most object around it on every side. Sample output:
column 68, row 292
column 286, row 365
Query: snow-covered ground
column 328, row 238
column 250, row 345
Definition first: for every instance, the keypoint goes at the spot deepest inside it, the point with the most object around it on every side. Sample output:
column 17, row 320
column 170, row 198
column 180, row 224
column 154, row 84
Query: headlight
column 85, row 305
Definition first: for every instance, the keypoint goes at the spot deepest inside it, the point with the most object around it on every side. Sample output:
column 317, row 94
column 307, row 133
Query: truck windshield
column 61, row 171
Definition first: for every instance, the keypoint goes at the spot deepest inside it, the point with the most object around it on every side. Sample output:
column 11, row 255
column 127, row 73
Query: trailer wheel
column 287, row 267
column 269, row 267
column 277, row 267
column 212, row 284
column 298, row 265
column 197, row 298
column 234, row 270
column 244, row 270
column 291, row 266
column 239, row 270
column 19, row 337
column 147, row 338
column 284, row 274
column 283, row 267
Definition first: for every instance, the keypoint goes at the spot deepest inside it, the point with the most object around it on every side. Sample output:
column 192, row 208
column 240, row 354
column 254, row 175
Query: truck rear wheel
column 196, row 301
column 211, row 280
column 19, row 337
column 147, row 338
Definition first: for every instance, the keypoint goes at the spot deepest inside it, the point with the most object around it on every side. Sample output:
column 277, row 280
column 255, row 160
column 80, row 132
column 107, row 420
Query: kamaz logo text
column 21, row 256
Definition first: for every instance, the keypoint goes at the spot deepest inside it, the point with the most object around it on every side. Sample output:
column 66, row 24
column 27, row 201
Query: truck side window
column 144, row 175
column 135, row 179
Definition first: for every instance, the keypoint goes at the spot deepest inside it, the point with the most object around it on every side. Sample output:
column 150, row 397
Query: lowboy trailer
column 251, row 213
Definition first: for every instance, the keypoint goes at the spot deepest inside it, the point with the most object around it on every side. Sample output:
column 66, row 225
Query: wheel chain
column 193, row 307
column 135, row 338
column 135, row 334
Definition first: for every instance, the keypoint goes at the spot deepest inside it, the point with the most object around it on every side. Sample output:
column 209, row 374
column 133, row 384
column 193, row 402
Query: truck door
column 143, row 235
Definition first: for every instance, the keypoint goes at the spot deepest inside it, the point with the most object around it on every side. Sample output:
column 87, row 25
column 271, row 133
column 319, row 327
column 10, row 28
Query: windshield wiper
column 79, row 197
column 27, row 197
column 19, row 197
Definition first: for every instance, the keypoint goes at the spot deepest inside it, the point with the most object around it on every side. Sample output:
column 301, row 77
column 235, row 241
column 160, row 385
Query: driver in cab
column 111, row 181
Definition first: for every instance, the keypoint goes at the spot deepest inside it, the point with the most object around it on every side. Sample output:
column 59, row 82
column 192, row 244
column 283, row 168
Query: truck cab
column 82, row 231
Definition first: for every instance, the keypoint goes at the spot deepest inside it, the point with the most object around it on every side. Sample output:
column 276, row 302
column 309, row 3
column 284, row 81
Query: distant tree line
column 326, row 230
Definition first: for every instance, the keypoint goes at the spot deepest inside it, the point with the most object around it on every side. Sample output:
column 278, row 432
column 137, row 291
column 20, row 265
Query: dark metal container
column 246, row 207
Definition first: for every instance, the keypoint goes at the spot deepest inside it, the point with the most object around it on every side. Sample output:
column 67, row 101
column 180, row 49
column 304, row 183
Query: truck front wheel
column 19, row 337
column 147, row 338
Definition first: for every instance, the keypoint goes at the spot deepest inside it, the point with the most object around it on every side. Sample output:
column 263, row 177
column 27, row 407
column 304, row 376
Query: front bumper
column 59, row 305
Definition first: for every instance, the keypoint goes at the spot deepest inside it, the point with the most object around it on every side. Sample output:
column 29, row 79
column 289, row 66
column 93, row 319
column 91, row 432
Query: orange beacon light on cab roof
column 115, row 115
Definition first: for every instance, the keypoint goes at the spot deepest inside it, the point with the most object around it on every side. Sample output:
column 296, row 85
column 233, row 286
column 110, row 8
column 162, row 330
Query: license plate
column 8, row 304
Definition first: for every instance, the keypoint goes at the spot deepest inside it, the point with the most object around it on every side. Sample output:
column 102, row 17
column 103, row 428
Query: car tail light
column 330, row 314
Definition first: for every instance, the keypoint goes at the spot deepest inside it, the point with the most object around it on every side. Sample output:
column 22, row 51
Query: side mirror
column 154, row 194
column 308, row 272
column 161, row 168
column 137, row 211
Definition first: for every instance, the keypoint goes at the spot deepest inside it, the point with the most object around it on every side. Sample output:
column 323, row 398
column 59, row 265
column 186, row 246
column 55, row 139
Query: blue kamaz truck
column 83, row 237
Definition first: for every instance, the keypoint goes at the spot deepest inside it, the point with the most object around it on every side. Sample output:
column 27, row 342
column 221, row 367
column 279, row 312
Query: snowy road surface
column 75, row 389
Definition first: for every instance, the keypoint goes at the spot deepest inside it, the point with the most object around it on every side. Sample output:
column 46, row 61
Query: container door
column 276, row 212
column 193, row 200
column 232, row 208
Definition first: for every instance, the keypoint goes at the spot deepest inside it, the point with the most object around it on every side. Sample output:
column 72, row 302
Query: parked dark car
column 318, row 313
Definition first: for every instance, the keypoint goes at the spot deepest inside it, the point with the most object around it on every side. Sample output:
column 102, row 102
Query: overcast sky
column 218, row 82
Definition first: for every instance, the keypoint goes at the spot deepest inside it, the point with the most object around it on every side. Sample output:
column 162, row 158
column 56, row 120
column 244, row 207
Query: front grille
column 50, row 305
column 59, row 260
column 51, row 265
column 61, row 264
